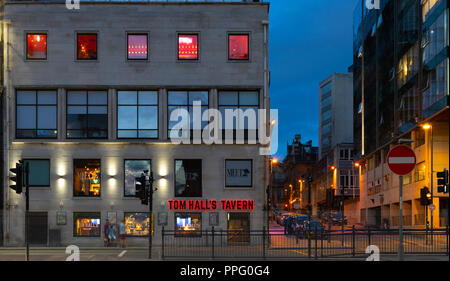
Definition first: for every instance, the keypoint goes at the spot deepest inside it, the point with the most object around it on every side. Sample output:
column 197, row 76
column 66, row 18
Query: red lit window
column 187, row 46
column 87, row 46
column 36, row 46
column 137, row 46
column 238, row 47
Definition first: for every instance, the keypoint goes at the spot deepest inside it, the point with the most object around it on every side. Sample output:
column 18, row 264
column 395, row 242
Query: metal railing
column 263, row 244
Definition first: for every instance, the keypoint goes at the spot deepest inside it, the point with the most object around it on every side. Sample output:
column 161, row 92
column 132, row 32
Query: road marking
column 299, row 252
column 123, row 253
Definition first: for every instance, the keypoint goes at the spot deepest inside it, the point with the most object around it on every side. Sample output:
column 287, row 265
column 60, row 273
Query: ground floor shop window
column 86, row 224
column 188, row 178
column 188, row 224
column 86, row 177
column 238, row 227
column 137, row 224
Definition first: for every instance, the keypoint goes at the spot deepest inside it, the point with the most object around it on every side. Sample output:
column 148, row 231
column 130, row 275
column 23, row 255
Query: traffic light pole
column 400, row 220
column 27, row 208
column 150, row 207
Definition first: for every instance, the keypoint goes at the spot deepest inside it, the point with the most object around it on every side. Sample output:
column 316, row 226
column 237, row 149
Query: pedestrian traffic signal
column 17, row 177
column 442, row 181
column 425, row 196
column 141, row 190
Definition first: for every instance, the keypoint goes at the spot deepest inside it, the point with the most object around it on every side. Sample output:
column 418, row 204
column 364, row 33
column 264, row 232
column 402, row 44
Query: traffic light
column 425, row 196
column 141, row 190
column 18, row 177
column 442, row 181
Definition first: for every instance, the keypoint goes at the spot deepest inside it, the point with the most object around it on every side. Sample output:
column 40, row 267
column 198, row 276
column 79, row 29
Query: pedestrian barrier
column 311, row 244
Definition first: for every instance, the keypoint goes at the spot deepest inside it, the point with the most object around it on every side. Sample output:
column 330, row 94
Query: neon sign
column 211, row 204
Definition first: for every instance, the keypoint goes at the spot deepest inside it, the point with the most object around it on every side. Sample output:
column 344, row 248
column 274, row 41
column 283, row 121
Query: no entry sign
column 401, row 160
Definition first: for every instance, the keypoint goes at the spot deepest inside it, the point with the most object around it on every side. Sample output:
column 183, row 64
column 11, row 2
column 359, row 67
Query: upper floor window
column 248, row 101
column 238, row 46
column 188, row 47
column 36, row 46
column 87, row 114
column 185, row 100
column 188, row 178
column 137, row 46
column 86, row 46
column 137, row 114
column 36, row 114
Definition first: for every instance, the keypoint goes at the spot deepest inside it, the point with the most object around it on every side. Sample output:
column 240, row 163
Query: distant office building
column 400, row 68
column 335, row 111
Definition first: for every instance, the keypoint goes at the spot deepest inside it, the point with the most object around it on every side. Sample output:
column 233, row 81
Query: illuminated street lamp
column 427, row 127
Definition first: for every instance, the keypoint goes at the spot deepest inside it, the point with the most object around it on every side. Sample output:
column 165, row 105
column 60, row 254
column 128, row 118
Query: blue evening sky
column 309, row 41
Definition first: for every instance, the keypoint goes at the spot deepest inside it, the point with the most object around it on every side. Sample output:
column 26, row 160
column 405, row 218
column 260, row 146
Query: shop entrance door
column 238, row 228
column 38, row 228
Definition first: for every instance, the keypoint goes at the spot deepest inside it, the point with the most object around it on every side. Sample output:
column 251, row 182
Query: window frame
column 138, row 212
column 74, row 234
column 46, row 45
column 87, row 112
column 238, row 106
column 231, row 33
column 238, row 187
column 175, row 178
column 36, row 117
column 128, row 33
column 137, row 106
column 124, row 178
column 184, row 105
column 196, row 33
column 49, row 168
column 73, row 177
column 96, row 33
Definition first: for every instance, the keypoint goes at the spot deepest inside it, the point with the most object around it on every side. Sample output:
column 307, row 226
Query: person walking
column 112, row 234
column 106, row 230
column 122, row 234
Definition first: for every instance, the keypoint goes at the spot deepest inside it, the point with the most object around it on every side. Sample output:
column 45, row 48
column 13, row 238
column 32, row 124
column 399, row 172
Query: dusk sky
column 309, row 41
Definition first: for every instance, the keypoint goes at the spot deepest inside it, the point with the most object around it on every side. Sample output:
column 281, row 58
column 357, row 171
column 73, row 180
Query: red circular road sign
column 401, row 160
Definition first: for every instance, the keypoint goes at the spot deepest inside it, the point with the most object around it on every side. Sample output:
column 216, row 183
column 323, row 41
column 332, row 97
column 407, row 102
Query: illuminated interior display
column 188, row 224
column 86, row 224
column 187, row 47
column 87, row 46
column 137, row 224
column 238, row 47
column 36, row 46
column 238, row 222
column 86, row 178
column 137, row 47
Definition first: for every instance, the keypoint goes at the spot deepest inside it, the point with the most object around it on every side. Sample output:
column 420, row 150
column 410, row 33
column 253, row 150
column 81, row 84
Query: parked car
column 337, row 219
column 298, row 223
column 317, row 230
column 280, row 218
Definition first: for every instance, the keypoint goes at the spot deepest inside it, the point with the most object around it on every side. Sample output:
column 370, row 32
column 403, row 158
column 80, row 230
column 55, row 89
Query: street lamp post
column 429, row 127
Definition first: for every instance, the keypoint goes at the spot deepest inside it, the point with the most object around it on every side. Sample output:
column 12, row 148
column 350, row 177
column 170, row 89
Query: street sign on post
column 401, row 161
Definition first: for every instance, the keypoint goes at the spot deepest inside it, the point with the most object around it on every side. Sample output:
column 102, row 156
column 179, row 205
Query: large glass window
column 238, row 47
column 87, row 114
column 36, row 114
column 137, row 224
column 185, row 100
column 36, row 46
column 86, row 224
column 137, row 46
column 134, row 169
column 187, row 46
column 137, row 114
column 188, row 224
column 39, row 172
column 188, row 178
column 86, row 177
column 419, row 172
column 247, row 101
column 86, row 46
